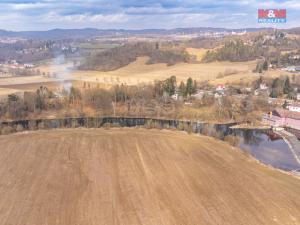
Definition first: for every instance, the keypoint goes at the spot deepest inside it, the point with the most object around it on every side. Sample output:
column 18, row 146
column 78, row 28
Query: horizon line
column 145, row 29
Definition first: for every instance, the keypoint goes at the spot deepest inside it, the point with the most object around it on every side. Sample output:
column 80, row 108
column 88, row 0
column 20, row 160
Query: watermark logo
column 272, row 15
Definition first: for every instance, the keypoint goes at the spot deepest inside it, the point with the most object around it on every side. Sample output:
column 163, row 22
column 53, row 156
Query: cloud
column 83, row 18
column 26, row 6
column 138, row 14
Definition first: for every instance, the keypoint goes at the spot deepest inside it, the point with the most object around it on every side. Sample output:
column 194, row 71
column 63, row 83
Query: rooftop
column 283, row 113
column 295, row 104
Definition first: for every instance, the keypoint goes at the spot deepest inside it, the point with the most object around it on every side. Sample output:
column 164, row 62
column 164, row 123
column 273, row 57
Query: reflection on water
column 268, row 148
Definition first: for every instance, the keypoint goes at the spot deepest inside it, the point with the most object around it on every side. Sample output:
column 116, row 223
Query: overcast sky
column 139, row 14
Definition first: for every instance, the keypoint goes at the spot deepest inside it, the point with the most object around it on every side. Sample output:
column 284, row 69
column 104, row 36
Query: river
column 268, row 148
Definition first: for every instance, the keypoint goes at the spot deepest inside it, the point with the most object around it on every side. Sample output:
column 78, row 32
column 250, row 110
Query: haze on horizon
column 21, row 15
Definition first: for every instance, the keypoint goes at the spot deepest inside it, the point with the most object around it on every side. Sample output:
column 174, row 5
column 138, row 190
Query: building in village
column 294, row 107
column 263, row 86
column 276, row 102
column 198, row 95
column 220, row 88
column 292, row 69
column 263, row 90
column 175, row 96
column 28, row 65
column 283, row 118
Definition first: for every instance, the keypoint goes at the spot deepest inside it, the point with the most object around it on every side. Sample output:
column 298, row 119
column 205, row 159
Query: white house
column 294, row 107
column 28, row 66
column 290, row 69
column 247, row 89
column 198, row 95
column 263, row 86
column 262, row 92
column 175, row 96
column 219, row 95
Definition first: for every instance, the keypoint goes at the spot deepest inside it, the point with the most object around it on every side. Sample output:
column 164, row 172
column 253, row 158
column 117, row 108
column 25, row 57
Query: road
column 293, row 143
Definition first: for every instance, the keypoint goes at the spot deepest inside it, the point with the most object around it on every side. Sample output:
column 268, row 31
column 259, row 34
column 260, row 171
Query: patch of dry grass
column 198, row 52
column 138, row 71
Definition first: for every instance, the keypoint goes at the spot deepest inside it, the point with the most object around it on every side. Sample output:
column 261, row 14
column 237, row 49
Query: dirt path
column 138, row 176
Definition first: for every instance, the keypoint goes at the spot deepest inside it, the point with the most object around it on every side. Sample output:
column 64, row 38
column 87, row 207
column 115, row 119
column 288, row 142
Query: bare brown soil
column 138, row 176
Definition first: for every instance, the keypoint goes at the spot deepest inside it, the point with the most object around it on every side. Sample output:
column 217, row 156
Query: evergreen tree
column 190, row 89
column 195, row 86
column 273, row 93
column 170, row 85
column 287, row 89
column 277, row 88
column 285, row 104
column 182, row 88
column 158, row 88
column 265, row 65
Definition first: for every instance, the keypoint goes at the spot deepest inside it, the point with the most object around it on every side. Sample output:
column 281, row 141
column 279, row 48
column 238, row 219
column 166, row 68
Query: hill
column 93, row 32
column 121, row 56
column 137, row 176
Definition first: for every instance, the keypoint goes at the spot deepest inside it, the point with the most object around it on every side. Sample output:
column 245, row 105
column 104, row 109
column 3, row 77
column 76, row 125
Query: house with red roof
column 283, row 118
column 220, row 88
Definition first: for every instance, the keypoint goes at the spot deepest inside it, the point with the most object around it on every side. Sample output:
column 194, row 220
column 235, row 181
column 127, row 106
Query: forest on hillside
column 118, row 57
column 235, row 51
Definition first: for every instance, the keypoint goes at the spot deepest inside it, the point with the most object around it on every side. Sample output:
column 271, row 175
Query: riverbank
column 251, row 127
column 97, row 122
column 261, row 143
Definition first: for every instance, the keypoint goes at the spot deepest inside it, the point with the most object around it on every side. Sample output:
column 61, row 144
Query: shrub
column 232, row 140
column 32, row 125
column 19, row 128
column 41, row 125
column 7, row 130
column 188, row 128
column 148, row 124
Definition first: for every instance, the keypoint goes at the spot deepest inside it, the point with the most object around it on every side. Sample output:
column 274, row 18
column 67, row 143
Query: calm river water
column 268, row 148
